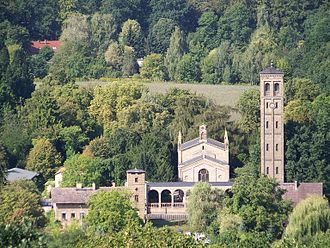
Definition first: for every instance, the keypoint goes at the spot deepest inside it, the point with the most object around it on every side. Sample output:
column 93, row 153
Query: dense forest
column 102, row 132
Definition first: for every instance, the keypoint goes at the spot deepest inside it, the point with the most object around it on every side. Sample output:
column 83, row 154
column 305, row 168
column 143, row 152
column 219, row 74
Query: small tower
column 271, row 126
column 225, row 139
column 136, row 184
column 179, row 147
column 226, row 143
column 202, row 132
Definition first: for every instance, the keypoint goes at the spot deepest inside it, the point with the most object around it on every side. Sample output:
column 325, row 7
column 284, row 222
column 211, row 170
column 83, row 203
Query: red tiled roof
column 37, row 45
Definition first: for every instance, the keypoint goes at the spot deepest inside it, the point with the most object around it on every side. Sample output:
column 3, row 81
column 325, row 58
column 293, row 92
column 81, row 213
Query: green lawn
column 220, row 94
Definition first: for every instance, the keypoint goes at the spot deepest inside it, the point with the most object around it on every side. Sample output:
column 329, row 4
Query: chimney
column 295, row 185
column 79, row 185
column 93, row 186
column 113, row 184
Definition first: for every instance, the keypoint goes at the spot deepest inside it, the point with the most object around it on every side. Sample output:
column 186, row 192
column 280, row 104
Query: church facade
column 201, row 159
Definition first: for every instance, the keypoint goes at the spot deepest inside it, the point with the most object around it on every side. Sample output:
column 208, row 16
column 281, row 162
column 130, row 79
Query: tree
column 216, row 64
column 3, row 165
column 236, row 24
column 110, row 211
column 258, row 55
column 248, row 106
column 131, row 35
column 21, row 215
column 307, row 158
column 39, row 62
column 135, row 235
column 121, row 10
column 130, row 66
column 178, row 10
column 109, row 100
column 309, row 217
column 83, row 169
column 159, row 35
column 18, row 76
column 258, row 201
column 206, row 32
column 102, row 29
column 188, row 70
column 114, row 56
column 203, row 205
column 174, row 52
column 43, row 158
column 15, row 138
column 153, row 67
column 73, row 138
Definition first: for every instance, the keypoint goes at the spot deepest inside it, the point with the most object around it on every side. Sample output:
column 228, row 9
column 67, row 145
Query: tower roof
column 135, row 171
column 271, row 70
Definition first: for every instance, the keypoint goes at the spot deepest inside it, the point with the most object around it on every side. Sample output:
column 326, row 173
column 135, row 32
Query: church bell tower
column 272, row 125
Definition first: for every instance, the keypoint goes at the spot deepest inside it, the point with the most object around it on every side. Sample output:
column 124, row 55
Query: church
column 200, row 159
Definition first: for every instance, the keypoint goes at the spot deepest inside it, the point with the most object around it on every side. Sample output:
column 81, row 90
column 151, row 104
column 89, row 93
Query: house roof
column 37, row 45
column 197, row 141
column 297, row 192
column 201, row 157
column 74, row 195
column 271, row 70
column 18, row 174
column 185, row 184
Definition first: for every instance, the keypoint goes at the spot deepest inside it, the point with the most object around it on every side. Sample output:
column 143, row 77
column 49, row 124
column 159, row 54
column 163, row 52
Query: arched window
column 153, row 196
column 203, row 175
column 178, row 195
column 267, row 88
column 166, row 196
column 276, row 89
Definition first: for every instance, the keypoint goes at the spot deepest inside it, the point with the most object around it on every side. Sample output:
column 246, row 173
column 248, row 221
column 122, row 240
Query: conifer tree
column 174, row 52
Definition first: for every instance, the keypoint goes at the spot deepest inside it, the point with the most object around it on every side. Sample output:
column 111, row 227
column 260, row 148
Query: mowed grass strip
column 225, row 95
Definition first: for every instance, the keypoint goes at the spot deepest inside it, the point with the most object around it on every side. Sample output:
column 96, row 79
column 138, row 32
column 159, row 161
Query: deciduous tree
column 110, row 211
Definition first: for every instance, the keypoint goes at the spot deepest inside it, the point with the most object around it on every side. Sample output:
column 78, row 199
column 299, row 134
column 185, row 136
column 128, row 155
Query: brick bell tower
column 272, row 124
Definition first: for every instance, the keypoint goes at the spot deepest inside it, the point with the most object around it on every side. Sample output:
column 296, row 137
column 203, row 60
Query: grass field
column 220, row 94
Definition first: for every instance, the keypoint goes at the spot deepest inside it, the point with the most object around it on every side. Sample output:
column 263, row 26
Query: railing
column 167, row 205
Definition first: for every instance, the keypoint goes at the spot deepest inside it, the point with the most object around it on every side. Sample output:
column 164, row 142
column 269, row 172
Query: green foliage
column 177, row 10
column 18, row 77
column 20, row 214
column 203, row 204
column 43, row 158
column 82, row 169
column 137, row 236
column 174, row 52
column 131, row 35
column 67, row 238
column 258, row 55
column 153, row 67
column 216, row 65
column 258, row 201
column 39, row 62
column 248, row 106
column 40, row 19
column 109, row 100
column 110, row 211
column 309, row 217
column 15, row 138
column 236, row 24
column 3, row 165
column 187, row 69
column 307, row 138
column 159, row 35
